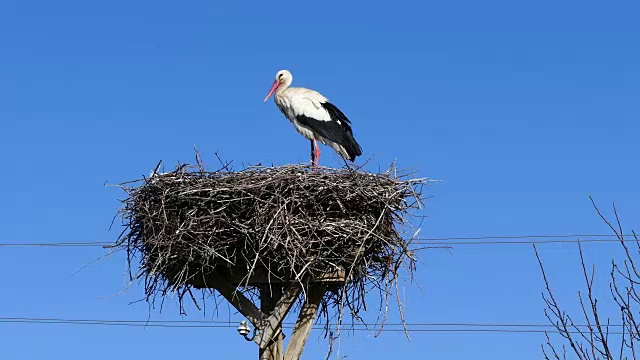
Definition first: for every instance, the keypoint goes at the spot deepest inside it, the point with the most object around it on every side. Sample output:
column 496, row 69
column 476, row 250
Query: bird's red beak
column 272, row 90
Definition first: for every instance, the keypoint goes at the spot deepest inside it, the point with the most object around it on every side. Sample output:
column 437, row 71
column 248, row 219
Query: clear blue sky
column 522, row 109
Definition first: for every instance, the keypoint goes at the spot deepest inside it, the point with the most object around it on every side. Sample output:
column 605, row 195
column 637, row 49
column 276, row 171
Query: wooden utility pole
column 304, row 323
column 269, row 296
column 276, row 299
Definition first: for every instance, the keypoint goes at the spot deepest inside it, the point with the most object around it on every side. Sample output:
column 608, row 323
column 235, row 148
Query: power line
column 525, row 239
column 521, row 242
column 237, row 321
column 440, row 241
column 493, row 237
column 56, row 244
column 411, row 327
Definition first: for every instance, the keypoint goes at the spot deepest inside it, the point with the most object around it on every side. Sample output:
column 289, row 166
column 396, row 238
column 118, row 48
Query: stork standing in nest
column 314, row 117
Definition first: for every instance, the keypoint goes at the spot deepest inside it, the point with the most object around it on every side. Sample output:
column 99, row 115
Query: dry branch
column 597, row 338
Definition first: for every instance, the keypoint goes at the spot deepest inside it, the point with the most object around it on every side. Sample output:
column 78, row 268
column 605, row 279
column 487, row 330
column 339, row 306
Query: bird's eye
column 279, row 76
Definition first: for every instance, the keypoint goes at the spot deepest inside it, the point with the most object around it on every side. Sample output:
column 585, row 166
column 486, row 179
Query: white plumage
column 314, row 117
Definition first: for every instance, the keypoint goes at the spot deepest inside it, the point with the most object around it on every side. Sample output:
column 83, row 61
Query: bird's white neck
column 285, row 85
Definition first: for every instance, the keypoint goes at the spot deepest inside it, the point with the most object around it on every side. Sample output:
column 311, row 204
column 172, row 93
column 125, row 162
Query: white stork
column 314, row 117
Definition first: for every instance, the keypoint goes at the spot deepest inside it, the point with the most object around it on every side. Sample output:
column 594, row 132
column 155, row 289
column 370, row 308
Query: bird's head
column 283, row 79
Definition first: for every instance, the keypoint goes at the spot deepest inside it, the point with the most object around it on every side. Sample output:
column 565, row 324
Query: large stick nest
column 190, row 228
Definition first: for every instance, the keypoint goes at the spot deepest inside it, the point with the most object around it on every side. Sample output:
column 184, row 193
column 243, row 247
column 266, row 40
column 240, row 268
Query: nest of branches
column 192, row 228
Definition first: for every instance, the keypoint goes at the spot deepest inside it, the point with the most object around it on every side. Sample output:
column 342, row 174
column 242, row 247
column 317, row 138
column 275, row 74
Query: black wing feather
column 337, row 130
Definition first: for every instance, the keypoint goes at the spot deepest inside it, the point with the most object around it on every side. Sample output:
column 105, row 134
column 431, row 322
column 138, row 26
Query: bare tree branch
column 593, row 341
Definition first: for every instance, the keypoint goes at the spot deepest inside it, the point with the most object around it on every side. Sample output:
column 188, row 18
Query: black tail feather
column 346, row 140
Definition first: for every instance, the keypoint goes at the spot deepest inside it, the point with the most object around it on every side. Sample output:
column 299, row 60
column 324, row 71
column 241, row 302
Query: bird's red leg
column 317, row 153
column 314, row 156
